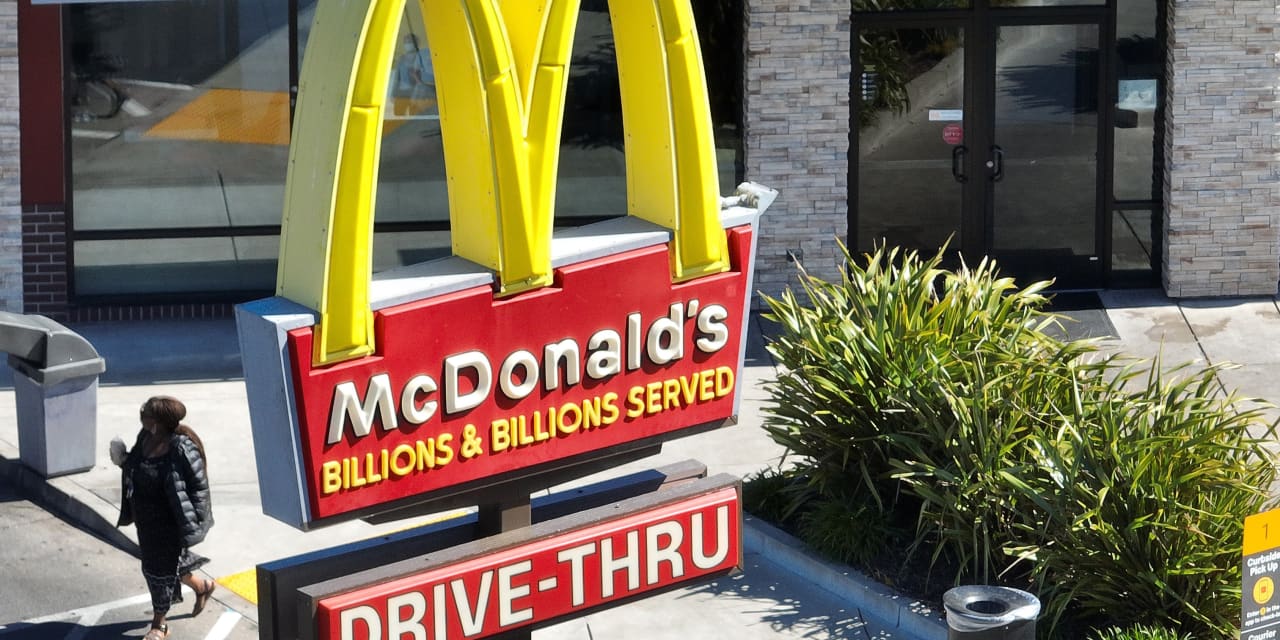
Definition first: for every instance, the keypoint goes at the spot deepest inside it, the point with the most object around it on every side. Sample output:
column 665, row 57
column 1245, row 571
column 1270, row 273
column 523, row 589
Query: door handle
column 996, row 164
column 957, row 163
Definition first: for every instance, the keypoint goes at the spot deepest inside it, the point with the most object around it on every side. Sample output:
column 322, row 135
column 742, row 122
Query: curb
column 917, row 620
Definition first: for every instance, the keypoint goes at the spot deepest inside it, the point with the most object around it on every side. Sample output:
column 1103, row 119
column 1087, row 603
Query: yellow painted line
column 436, row 519
column 230, row 115
column 243, row 584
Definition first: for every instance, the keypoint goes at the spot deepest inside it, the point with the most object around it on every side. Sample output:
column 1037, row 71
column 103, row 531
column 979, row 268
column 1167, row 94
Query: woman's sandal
column 202, row 597
column 159, row 632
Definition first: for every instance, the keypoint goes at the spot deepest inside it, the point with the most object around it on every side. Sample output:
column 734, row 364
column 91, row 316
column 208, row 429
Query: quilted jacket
column 187, row 486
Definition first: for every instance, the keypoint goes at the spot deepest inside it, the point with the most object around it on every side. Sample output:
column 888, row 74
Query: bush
column 933, row 404
column 765, row 494
column 1140, row 632
column 896, row 388
column 1147, row 490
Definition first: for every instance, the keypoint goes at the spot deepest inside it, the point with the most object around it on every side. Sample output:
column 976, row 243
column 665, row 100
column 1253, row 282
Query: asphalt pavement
column 782, row 592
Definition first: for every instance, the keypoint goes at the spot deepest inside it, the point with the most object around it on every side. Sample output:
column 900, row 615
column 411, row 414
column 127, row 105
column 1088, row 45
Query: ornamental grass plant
column 930, row 411
column 1139, row 632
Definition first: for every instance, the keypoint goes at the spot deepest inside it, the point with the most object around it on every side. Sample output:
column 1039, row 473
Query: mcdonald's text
column 515, row 432
column 569, row 573
column 521, row 372
column 466, row 386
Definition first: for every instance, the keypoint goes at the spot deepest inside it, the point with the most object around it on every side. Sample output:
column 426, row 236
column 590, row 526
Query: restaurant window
column 179, row 119
column 1138, row 146
column 180, row 123
column 1139, row 78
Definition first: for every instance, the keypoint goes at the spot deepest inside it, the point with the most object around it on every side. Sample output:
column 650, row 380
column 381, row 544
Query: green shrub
column 931, row 406
column 767, row 494
column 901, row 382
column 845, row 529
column 1147, row 489
column 1139, row 632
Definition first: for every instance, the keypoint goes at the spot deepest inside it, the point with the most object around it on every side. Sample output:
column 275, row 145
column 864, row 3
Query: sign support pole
column 503, row 515
column 507, row 513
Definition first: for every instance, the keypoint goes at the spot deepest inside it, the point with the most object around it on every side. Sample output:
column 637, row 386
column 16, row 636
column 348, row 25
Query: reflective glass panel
column 1139, row 69
column 179, row 119
column 1132, row 240
column 411, row 175
column 176, row 265
column 1046, row 133
column 180, row 115
column 1015, row 4
column 907, row 5
column 910, row 137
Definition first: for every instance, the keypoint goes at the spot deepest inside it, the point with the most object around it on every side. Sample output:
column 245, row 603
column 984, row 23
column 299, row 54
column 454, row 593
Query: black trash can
column 990, row 613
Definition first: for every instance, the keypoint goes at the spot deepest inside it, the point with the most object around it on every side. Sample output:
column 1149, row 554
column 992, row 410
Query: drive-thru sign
column 476, row 591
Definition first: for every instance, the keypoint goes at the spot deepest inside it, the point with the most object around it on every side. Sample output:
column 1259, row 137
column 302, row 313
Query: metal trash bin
column 990, row 613
column 55, row 381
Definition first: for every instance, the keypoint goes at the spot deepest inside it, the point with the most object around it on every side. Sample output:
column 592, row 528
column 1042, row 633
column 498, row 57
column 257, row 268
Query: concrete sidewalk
column 783, row 592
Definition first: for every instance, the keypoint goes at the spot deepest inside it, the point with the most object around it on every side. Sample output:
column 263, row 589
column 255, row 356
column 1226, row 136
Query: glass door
column 913, row 160
column 1042, row 168
column 982, row 132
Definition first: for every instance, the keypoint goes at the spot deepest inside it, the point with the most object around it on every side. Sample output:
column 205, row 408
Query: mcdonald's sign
column 525, row 350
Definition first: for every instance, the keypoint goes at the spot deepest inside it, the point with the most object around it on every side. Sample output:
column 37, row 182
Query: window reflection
column 200, row 140
column 180, row 129
column 1132, row 244
column 910, row 138
column 411, row 175
column 176, row 265
column 907, row 5
column 1139, row 68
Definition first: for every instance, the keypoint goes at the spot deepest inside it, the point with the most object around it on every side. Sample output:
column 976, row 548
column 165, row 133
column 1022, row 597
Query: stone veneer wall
column 797, row 132
column 10, row 159
column 1222, row 234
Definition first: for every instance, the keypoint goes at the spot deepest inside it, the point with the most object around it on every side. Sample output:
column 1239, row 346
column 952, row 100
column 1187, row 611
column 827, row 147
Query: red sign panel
column 466, row 386
column 547, row 579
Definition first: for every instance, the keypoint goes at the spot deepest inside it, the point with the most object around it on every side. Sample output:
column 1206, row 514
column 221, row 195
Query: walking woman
column 166, row 495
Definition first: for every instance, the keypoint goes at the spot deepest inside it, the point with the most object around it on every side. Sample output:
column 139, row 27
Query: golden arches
column 501, row 70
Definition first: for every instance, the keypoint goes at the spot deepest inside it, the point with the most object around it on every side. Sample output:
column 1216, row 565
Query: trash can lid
column 983, row 607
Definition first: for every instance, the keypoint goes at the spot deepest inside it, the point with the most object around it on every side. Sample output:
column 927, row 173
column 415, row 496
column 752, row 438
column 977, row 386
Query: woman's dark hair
column 168, row 412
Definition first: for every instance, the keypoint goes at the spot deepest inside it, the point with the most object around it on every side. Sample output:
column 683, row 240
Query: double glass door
column 982, row 133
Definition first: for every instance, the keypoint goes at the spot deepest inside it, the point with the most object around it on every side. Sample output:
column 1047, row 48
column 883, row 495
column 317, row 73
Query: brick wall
column 797, row 132
column 10, row 171
column 44, row 254
column 1222, row 236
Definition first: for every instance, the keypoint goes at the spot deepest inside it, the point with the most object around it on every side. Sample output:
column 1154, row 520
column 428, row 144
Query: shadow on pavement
column 64, row 629
column 808, row 612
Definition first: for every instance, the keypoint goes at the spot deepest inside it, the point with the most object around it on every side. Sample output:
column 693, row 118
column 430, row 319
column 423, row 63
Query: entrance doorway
column 982, row 130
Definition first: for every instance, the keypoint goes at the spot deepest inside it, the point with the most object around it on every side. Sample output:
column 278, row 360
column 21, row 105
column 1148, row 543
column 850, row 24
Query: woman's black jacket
column 187, row 487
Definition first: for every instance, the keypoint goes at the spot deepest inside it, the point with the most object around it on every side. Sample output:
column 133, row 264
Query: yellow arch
column 670, row 147
column 326, row 239
column 501, row 86
column 501, row 73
